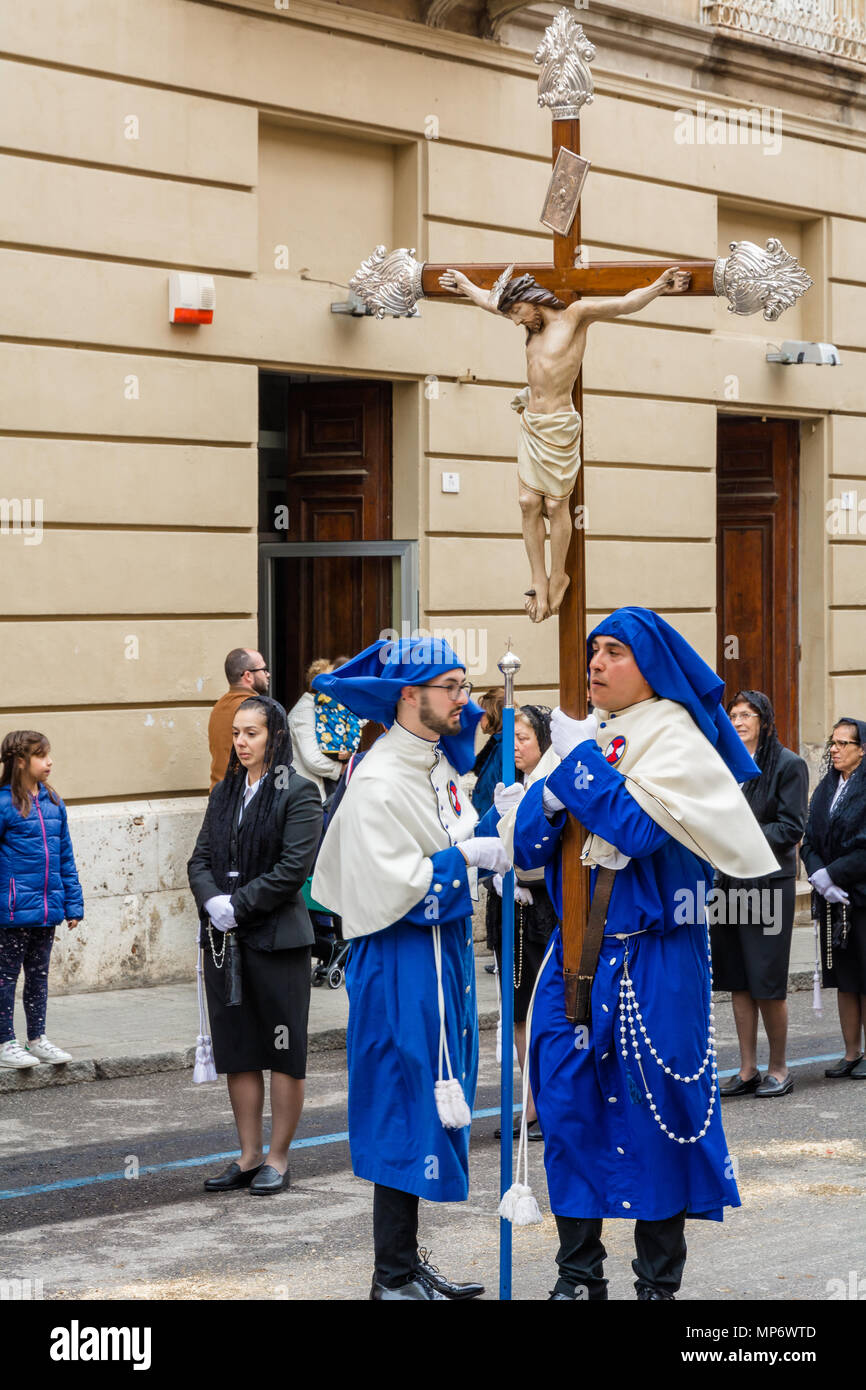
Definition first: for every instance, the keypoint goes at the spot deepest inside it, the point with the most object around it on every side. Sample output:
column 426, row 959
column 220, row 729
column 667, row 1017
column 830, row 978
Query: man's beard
column 434, row 722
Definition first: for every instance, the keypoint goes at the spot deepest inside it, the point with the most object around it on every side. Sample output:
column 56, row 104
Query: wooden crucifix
column 752, row 278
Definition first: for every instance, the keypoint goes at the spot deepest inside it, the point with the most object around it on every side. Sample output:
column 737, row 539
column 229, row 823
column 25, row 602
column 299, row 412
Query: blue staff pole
column 509, row 666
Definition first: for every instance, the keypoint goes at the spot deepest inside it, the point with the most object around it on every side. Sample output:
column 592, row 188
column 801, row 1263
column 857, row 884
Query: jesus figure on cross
column 548, row 449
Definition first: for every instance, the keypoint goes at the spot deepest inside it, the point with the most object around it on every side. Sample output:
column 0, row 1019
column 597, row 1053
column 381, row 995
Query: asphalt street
column 132, row 1221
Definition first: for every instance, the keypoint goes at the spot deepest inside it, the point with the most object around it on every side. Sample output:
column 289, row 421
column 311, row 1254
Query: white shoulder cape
column 678, row 778
column 402, row 804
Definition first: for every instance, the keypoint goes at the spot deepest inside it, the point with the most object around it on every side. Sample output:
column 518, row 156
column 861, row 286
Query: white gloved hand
column 221, row 913
column 567, row 733
column 821, row 881
column 485, row 852
column 521, row 895
column 504, row 798
column 835, row 894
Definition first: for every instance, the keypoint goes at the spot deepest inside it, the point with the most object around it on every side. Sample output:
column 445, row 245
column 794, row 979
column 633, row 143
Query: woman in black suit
column 834, row 855
column 751, row 945
column 253, row 854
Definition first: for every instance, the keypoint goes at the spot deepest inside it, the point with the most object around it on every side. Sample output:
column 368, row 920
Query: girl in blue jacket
column 39, row 887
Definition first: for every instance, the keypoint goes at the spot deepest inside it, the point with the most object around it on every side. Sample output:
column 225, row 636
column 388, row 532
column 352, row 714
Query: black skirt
column 533, row 926
column 848, row 969
column 267, row 1031
column 746, row 956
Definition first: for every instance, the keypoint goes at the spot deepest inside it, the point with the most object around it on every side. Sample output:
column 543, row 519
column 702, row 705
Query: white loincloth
column 548, row 448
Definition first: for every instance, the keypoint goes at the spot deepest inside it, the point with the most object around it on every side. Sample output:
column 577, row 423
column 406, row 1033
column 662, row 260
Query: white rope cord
column 629, row 1014
column 522, row 1144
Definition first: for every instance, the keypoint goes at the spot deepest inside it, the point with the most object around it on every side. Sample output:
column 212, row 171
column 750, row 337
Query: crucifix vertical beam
column 572, row 627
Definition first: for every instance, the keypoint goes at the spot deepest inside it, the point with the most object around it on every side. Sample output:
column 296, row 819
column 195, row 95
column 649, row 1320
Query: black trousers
column 395, row 1235
column 660, row 1247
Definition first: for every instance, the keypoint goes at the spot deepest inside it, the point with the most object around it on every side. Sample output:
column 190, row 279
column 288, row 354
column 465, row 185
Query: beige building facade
column 272, row 146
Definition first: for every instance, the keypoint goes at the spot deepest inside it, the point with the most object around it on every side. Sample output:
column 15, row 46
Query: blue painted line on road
column 314, row 1141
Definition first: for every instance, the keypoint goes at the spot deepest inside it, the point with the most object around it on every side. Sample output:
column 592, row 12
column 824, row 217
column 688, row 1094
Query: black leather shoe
column 645, row 1294
column 771, row 1087
column 736, row 1086
column 233, row 1178
column 842, row 1068
column 416, row 1291
column 430, row 1275
column 268, row 1180
column 859, row 1072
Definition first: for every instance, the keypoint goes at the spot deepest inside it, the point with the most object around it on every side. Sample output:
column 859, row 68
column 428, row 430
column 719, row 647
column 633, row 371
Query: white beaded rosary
column 629, row 1013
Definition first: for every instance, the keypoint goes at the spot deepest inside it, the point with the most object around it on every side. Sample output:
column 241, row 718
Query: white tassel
column 204, row 1069
column 817, row 1001
column 519, row 1206
column 451, row 1104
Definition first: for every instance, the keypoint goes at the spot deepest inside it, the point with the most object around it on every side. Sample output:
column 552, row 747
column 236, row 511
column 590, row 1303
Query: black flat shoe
column 416, row 1291
column 842, row 1068
column 771, row 1087
column 533, row 1132
column 430, row 1275
column 736, row 1086
column 268, row 1180
column 232, row 1178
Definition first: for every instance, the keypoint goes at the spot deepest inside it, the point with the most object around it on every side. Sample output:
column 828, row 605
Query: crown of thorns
column 525, row 289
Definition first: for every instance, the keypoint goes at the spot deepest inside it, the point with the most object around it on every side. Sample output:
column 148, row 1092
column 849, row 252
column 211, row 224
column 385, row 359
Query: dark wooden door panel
column 757, row 554
column 338, row 488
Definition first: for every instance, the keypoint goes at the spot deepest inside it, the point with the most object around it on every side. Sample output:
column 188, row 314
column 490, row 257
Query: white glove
column 221, row 912
column 834, row 894
column 485, row 852
column 521, row 895
column 504, row 798
column 821, row 881
column 567, row 733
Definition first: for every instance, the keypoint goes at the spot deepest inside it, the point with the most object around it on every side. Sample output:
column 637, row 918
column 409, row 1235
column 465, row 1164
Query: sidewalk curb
column 182, row 1059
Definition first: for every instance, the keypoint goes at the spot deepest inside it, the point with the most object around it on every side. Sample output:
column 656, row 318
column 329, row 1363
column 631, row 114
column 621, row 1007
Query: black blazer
column 269, row 910
column 832, row 843
column 785, row 817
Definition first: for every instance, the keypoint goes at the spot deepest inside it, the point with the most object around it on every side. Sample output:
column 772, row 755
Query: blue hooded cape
column 676, row 672
column 370, row 684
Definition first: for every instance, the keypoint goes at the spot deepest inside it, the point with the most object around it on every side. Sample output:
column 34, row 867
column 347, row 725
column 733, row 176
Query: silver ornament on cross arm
column 755, row 277
column 389, row 282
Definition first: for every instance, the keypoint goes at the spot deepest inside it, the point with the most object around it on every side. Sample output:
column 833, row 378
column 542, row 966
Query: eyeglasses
column 736, row 717
column 844, row 743
column 453, row 690
column 259, row 668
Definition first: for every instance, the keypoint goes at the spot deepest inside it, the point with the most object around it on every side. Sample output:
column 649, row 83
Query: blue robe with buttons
column 392, row 1040
column 604, row 1153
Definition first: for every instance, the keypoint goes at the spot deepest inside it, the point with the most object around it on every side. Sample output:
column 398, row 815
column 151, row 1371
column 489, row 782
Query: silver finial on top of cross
column 565, row 82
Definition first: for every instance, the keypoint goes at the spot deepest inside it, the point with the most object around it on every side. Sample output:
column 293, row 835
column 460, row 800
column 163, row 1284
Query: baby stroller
column 329, row 949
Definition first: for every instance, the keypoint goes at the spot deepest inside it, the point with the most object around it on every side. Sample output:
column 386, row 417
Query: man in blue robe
column 627, row 1104
column 399, row 864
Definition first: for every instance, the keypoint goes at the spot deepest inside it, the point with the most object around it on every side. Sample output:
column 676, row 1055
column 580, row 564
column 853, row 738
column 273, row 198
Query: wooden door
column 757, row 558
column 337, row 488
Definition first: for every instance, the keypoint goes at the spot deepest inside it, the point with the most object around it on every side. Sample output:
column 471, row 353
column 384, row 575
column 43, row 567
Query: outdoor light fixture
column 792, row 354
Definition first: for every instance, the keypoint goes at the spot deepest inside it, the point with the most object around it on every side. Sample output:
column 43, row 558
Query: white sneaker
column 12, row 1054
column 47, row 1052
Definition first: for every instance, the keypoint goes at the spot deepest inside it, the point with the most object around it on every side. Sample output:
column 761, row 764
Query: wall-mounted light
column 794, row 354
